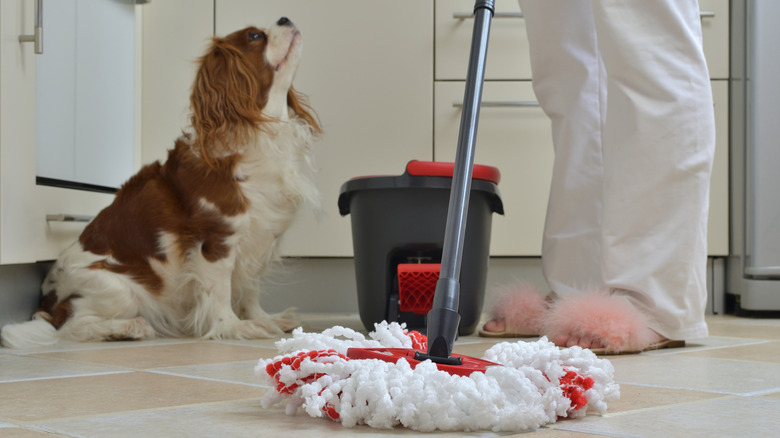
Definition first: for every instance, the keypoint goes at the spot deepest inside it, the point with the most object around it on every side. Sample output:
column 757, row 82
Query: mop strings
column 572, row 383
column 537, row 384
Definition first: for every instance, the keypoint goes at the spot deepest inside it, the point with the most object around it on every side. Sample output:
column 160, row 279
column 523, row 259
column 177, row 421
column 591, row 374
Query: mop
column 532, row 383
column 387, row 380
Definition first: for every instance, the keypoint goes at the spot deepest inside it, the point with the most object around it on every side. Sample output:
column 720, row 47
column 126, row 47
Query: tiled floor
column 724, row 386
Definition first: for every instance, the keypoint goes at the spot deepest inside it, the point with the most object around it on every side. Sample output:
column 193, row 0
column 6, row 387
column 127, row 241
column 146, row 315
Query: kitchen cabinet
column 384, row 78
column 30, row 225
column 514, row 135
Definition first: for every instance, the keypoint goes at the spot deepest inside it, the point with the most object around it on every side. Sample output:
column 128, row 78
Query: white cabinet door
column 368, row 70
column 85, row 93
column 517, row 140
column 25, row 234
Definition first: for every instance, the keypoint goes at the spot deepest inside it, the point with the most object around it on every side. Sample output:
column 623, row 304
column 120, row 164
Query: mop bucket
column 398, row 227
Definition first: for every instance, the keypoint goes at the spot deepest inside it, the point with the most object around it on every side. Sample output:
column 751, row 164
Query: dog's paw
column 263, row 328
column 132, row 330
column 287, row 320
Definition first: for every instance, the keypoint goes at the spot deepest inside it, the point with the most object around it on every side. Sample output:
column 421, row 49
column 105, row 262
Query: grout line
column 96, row 346
column 664, row 407
column 762, row 392
column 691, row 348
column 209, row 379
column 708, row 391
column 239, row 343
column 67, row 376
column 49, row 430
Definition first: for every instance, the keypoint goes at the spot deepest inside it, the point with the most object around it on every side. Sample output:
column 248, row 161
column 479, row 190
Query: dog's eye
column 254, row 36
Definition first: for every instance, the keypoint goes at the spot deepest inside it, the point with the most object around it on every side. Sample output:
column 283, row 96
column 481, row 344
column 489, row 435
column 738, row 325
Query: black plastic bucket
column 401, row 220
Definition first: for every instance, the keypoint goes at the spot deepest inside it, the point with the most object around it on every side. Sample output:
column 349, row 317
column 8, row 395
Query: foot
column 518, row 312
column 601, row 321
column 497, row 325
column 588, row 341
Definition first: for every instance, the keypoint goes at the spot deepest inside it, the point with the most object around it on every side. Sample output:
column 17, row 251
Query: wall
column 19, row 291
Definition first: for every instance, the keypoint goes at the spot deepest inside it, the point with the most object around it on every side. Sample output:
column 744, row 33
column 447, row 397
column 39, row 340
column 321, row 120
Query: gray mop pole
column 443, row 318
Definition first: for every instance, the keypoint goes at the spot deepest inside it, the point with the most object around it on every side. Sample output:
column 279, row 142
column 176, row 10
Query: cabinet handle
column 466, row 15
column 68, row 218
column 37, row 36
column 762, row 271
column 502, row 104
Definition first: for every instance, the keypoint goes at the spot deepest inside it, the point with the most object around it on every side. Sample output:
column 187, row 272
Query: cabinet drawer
column 29, row 236
column 508, row 53
column 507, row 49
column 517, row 140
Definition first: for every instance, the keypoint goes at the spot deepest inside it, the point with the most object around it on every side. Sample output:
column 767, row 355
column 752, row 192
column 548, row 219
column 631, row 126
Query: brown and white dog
column 181, row 250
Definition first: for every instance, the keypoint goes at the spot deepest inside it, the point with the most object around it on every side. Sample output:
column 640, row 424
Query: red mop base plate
column 468, row 365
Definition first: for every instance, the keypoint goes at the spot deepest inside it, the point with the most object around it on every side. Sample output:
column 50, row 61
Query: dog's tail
column 31, row 334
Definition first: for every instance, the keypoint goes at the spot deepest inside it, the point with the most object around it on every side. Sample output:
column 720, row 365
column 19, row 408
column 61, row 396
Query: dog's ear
column 299, row 104
column 226, row 101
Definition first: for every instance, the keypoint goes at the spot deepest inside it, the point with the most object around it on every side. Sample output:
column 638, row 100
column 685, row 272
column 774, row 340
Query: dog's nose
column 284, row 21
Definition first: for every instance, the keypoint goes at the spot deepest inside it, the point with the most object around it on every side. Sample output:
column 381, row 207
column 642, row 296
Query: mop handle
column 443, row 319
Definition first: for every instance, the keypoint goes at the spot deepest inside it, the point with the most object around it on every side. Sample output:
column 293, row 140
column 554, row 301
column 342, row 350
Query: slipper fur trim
column 522, row 307
column 599, row 315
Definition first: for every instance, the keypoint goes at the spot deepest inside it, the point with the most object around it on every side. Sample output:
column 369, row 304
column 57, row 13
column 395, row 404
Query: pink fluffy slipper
column 608, row 318
column 522, row 308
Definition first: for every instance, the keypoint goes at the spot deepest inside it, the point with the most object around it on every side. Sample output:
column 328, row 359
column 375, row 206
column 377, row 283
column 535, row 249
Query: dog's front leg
column 246, row 303
column 214, row 310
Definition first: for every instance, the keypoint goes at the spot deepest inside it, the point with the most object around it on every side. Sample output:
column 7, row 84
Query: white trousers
column 626, row 86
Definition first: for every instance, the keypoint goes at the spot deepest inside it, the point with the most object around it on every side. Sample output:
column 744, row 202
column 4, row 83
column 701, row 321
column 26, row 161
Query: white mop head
column 537, row 384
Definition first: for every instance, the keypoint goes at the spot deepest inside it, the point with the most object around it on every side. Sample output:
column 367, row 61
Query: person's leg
column 569, row 83
column 619, row 295
column 658, row 146
column 568, row 80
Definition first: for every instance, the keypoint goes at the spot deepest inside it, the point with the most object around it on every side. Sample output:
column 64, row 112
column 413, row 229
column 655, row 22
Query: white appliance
column 753, row 269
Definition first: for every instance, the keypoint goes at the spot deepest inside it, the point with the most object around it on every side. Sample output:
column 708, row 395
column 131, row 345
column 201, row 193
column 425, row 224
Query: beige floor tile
column 320, row 322
column 234, row 419
column 97, row 395
column 745, row 328
column 763, row 352
column 80, row 346
column 681, row 371
column 773, row 394
column 635, row 397
column 185, row 387
column 726, row 417
column 18, row 368
column 472, row 349
column 551, row 433
column 21, row 432
column 232, row 372
column 157, row 356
